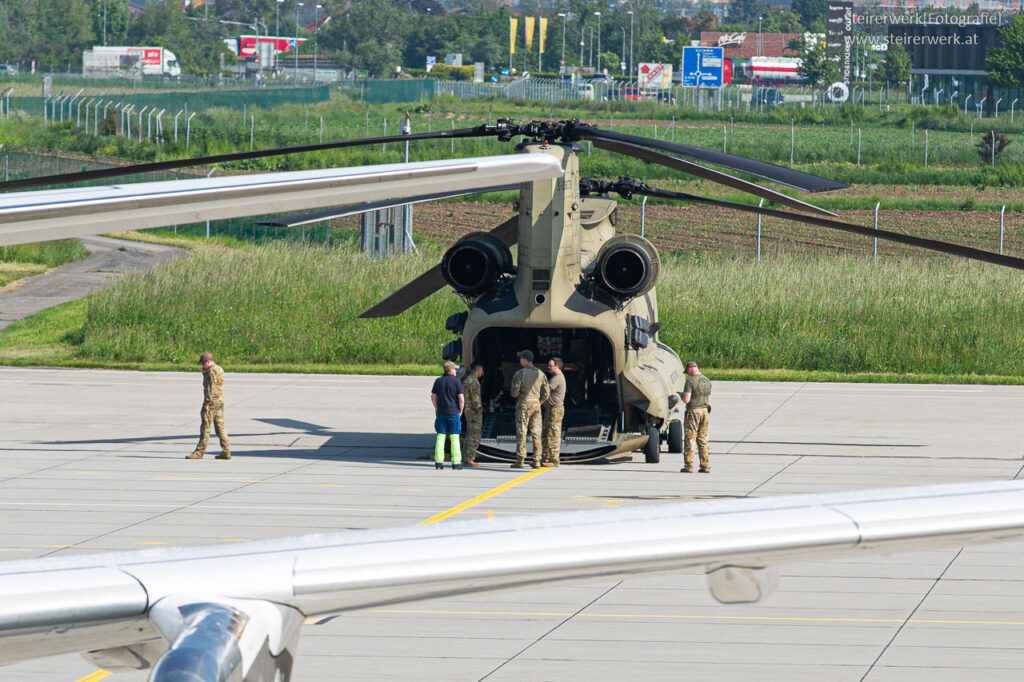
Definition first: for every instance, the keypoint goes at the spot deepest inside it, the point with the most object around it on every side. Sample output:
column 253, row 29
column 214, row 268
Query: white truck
column 129, row 62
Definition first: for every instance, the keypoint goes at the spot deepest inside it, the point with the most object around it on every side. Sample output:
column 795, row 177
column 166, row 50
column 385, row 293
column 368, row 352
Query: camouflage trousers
column 528, row 420
column 215, row 417
column 695, row 434
column 474, row 422
column 553, row 432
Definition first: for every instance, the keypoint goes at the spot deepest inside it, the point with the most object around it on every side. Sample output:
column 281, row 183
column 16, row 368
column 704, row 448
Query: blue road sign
column 702, row 67
column 494, row 79
column 504, row 72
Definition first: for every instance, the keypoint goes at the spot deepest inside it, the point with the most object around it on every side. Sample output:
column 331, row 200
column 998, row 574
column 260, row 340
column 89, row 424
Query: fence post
column 643, row 215
column 252, row 130
column 1002, row 214
column 759, row 205
column 792, row 139
column 874, row 251
column 925, row 148
column 858, row 147
column 725, row 132
column 453, row 137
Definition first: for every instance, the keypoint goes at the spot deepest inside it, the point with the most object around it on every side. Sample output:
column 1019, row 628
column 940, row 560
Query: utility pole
column 297, row 6
column 562, row 14
column 598, row 41
column 630, row 13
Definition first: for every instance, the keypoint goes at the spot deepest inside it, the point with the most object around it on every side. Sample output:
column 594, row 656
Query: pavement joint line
column 772, row 477
column 484, row 496
column 766, row 417
column 686, row 616
column 910, row 616
column 558, row 625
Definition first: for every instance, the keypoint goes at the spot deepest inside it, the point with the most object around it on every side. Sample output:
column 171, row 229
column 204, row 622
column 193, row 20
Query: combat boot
column 470, row 463
column 196, row 454
column 225, row 454
column 705, row 470
column 535, row 464
column 687, row 469
column 518, row 464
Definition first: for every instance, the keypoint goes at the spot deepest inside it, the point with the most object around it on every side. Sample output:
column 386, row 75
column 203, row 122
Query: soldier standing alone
column 530, row 389
column 696, row 393
column 554, row 410
column 213, row 409
column 474, row 413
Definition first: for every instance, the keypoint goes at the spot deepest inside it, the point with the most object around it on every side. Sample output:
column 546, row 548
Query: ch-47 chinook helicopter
column 577, row 290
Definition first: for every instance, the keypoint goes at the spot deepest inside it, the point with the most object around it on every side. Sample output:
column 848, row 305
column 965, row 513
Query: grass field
column 296, row 307
column 25, row 260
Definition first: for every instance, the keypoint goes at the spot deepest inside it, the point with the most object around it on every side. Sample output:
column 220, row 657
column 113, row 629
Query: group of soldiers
column 540, row 406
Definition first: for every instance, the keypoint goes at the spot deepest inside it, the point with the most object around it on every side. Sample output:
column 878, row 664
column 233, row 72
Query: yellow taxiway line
column 683, row 616
column 95, row 677
column 484, row 496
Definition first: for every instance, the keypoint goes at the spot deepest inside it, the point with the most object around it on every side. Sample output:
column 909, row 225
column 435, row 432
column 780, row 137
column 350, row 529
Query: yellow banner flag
column 529, row 32
column 543, row 32
column 513, row 23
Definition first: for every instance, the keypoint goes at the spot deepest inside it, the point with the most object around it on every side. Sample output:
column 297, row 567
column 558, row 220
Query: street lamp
column 104, row 22
column 622, row 61
column 297, row 6
column 582, row 41
column 316, row 36
column 598, row 41
column 277, row 26
column 564, row 21
column 759, row 20
column 630, row 13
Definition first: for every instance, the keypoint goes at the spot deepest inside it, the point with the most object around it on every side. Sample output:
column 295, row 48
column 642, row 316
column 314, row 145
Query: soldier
column 474, row 413
column 554, row 410
column 448, row 400
column 530, row 389
column 696, row 393
column 213, row 409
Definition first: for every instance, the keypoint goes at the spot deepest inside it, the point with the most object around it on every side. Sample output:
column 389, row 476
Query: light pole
column 590, row 63
column 630, row 13
column 598, row 14
column 582, row 30
column 622, row 61
column 277, row 25
column 297, row 6
column 104, row 22
column 759, row 20
column 564, row 21
column 316, row 36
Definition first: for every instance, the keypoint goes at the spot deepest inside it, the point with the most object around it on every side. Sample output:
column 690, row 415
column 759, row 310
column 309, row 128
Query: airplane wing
column 174, row 609
column 56, row 214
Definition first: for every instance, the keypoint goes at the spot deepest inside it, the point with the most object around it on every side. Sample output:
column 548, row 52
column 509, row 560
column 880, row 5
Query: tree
column 811, row 11
column 896, row 64
column 117, row 19
column 1006, row 63
column 197, row 44
column 781, row 20
column 67, row 33
column 371, row 35
column 816, row 67
column 987, row 142
column 745, row 12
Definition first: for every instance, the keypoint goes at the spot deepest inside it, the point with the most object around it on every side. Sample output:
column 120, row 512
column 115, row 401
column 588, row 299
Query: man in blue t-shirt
column 448, row 400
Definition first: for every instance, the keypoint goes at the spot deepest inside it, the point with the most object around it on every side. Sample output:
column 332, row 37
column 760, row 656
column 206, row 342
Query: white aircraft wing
column 234, row 612
column 56, row 214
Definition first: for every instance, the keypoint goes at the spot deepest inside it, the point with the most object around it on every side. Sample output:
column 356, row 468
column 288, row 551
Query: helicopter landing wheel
column 652, row 452
column 675, row 436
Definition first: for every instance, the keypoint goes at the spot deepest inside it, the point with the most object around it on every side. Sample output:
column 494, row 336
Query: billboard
column 702, row 67
column 654, row 76
column 839, row 25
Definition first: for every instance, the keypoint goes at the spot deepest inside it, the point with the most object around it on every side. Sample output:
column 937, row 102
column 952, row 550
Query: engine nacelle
column 475, row 263
column 627, row 266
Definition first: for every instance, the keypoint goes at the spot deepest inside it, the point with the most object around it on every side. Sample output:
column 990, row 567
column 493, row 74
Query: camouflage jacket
column 529, row 383
column 471, row 389
column 213, row 385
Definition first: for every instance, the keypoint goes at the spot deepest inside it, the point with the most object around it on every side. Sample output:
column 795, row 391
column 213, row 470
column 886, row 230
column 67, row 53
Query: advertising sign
column 839, row 25
column 654, row 76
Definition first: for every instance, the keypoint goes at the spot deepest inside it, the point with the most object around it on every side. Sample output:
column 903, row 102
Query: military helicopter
column 575, row 290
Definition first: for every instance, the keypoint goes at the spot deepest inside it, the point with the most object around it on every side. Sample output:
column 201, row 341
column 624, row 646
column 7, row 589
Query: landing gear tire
column 652, row 453
column 675, row 436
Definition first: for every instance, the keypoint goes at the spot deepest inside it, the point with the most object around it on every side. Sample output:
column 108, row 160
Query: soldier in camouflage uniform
column 530, row 389
column 696, row 394
column 474, row 414
column 213, row 409
column 553, row 411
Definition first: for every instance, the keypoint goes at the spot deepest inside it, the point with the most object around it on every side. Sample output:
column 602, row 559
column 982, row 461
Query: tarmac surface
column 109, row 260
column 94, row 461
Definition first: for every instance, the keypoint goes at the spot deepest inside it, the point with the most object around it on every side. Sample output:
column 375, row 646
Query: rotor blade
column 342, row 211
column 921, row 242
column 760, row 169
column 82, row 176
column 432, row 280
column 719, row 177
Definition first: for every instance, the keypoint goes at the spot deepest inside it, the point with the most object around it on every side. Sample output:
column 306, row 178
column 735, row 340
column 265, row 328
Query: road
column 94, row 461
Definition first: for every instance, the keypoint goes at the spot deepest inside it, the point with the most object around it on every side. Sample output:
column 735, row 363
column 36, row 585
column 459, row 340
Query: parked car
column 627, row 94
column 665, row 97
column 585, row 91
column 766, row 97
column 601, row 79
column 8, row 70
